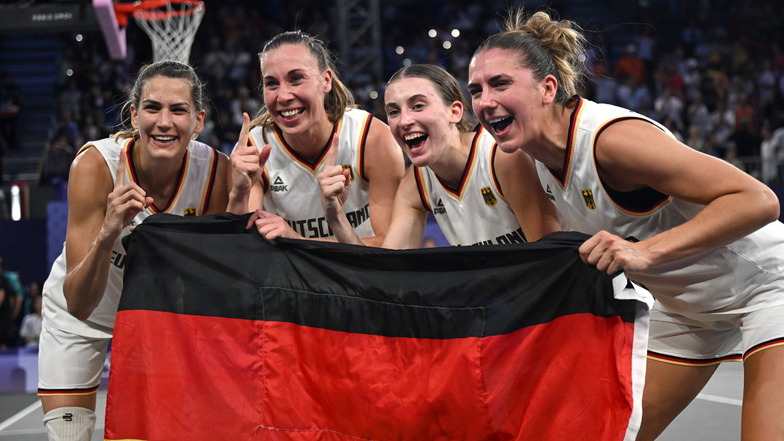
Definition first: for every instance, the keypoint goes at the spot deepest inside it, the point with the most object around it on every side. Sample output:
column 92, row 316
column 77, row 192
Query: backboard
column 113, row 33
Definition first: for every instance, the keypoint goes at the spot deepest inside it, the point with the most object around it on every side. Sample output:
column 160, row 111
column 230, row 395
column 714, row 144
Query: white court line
column 718, row 399
column 21, row 414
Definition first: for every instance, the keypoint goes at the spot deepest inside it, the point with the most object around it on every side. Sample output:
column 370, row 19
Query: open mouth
column 164, row 139
column 415, row 140
column 290, row 114
column 499, row 124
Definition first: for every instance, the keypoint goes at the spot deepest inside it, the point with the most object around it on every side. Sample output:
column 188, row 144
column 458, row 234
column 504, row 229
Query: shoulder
column 88, row 160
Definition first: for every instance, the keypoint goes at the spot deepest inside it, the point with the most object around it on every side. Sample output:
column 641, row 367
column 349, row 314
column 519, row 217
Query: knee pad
column 69, row 424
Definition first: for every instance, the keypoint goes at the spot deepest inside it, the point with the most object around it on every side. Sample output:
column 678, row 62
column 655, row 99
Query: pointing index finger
column 243, row 139
column 119, row 179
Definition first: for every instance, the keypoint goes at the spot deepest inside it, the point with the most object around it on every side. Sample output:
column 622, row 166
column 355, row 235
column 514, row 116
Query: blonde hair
column 546, row 47
column 337, row 99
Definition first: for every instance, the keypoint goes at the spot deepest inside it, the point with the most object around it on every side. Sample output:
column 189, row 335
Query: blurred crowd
column 20, row 311
column 711, row 70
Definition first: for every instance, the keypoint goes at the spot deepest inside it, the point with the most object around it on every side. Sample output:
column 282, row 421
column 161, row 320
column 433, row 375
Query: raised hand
column 335, row 183
column 124, row 202
column 246, row 161
column 271, row 226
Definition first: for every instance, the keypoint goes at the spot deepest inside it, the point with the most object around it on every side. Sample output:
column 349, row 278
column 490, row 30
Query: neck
column 453, row 161
column 310, row 143
column 155, row 175
column 550, row 147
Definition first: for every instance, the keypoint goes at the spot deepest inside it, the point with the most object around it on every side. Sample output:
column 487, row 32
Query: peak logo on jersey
column 588, row 198
column 279, row 185
column 188, row 212
column 489, row 197
column 350, row 169
column 439, row 209
column 550, row 193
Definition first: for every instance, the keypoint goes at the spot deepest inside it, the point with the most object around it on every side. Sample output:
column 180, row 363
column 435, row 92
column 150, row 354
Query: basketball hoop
column 170, row 24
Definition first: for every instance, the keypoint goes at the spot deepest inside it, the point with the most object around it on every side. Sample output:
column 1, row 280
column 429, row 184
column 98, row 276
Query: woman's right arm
column 247, row 165
column 98, row 210
column 409, row 216
column 407, row 226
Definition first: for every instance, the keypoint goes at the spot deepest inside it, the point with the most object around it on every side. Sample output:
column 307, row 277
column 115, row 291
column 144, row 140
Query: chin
column 508, row 146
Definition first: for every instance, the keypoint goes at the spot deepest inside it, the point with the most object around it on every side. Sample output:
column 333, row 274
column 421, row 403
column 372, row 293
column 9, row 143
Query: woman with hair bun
column 699, row 233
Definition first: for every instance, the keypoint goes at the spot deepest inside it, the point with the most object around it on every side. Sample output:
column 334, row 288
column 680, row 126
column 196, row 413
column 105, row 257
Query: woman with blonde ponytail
column 699, row 233
column 308, row 119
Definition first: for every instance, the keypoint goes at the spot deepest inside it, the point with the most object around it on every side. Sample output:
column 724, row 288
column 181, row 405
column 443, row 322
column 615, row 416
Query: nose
column 285, row 93
column 405, row 119
column 164, row 118
column 483, row 100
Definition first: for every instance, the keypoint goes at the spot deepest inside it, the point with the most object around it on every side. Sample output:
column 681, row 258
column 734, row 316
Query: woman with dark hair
column 477, row 193
column 154, row 166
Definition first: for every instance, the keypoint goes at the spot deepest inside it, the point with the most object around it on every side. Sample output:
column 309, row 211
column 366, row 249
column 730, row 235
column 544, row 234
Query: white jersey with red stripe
column 291, row 187
column 476, row 213
column 731, row 278
column 190, row 199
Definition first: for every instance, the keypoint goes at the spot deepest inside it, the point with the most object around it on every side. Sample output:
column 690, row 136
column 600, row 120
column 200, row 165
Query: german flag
column 223, row 336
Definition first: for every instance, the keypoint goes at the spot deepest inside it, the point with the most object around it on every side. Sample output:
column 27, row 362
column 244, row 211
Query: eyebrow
column 149, row 101
column 289, row 73
column 492, row 79
column 409, row 100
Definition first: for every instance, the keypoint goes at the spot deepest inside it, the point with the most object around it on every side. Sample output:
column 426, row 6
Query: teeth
column 164, row 138
column 493, row 121
column 289, row 113
column 413, row 136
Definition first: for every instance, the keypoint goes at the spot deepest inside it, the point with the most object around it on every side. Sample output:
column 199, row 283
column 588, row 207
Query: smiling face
column 421, row 122
column 166, row 117
column 294, row 88
column 506, row 98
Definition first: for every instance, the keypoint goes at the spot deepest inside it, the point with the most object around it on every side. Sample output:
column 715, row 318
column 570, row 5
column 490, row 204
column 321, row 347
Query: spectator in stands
column 771, row 153
column 10, row 305
column 30, row 330
column 10, row 107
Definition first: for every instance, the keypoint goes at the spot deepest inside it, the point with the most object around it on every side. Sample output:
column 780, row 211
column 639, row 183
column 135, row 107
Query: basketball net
column 171, row 26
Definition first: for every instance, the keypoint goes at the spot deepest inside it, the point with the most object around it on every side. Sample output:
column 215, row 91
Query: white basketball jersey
column 291, row 187
column 476, row 213
column 699, row 283
column 190, row 199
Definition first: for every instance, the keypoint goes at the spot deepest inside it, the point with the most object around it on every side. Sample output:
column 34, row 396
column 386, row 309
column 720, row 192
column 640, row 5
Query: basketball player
column 706, row 240
column 478, row 194
column 116, row 183
column 307, row 112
